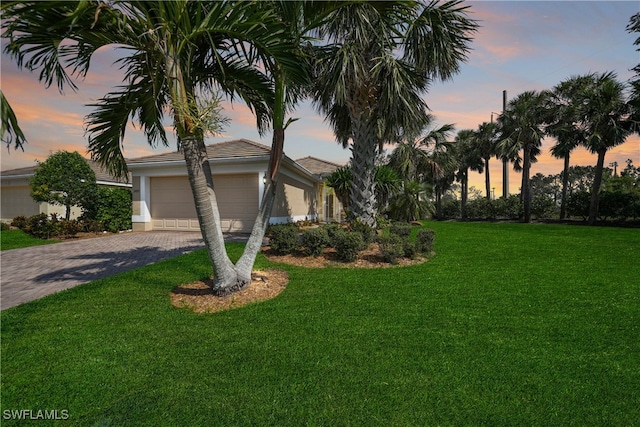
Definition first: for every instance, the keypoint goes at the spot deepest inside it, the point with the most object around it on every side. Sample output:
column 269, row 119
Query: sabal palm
column 485, row 145
column 522, row 129
column 468, row 158
column 380, row 60
column 564, row 123
column 176, row 54
column 606, row 114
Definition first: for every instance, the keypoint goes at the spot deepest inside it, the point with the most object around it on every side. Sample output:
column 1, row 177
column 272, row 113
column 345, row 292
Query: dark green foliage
column 542, row 206
column 332, row 229
column 112, row 208
column 19, row 222
column 92, row 226
column 409, row 248
column 451, row 209
column 64, row 179
column 617, row 204
column 69, row 228
column 402, row 229
column 314, row 241
column 424, row 240
column 284, row 238
column 41, row 226
column 391, row 247
column 4, row 226
column 578, row 204
column 480, row 209
column 364, row 229
column 509, row 208
column 348, row 244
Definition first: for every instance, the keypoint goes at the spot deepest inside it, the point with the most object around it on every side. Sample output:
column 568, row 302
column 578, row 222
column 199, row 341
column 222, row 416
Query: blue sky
column 521, row 45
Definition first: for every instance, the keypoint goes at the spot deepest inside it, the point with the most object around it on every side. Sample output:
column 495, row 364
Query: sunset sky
column 520, row 46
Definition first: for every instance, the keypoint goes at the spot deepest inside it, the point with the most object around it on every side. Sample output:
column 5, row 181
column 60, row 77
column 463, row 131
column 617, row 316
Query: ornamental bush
column 391, row 247
column 284, row 238
column 19, row 222
column 366, row 231
column 314, row 241
column 424, row 240
column 348, row 245
column 401, row 229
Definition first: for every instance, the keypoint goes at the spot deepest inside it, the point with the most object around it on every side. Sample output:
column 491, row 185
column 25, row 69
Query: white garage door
column 172, row 206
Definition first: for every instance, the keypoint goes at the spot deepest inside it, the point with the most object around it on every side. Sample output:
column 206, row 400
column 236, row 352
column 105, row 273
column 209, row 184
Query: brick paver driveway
column 31, row 273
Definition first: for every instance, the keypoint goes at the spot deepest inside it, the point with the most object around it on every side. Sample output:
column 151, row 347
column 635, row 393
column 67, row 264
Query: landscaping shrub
column 366, row 231
column 284, row 238
column 19, row 222
column 480, row 209
column 450, row 209
column 578, row 204
column 331, row 230
column 409, row 248
column 92, row 225
column 391, row 247
column 41, row 226
column 348, row 245
column 315, row 240
column 4, row 226
column 69, row 228
column 509, row 208
column 542, row 206
column 112, row 209
column 401, row 229
column 424, row 240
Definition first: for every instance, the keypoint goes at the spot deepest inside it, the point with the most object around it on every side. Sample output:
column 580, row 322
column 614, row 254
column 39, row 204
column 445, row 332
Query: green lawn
column 508, row 324
column 14, row 239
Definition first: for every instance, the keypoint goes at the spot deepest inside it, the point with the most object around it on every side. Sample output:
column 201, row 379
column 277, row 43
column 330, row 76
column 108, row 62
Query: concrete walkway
column 31, row 273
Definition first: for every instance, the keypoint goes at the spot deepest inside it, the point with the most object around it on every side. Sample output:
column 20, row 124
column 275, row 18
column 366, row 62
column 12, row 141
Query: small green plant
column 332, row 229
column 19, row 222
column 348, row 244
column 364, row 229
column 401, row 229
column 391, row 247
column 424, row 240
column 41, row 226
column 4, row 226
column 315, row 240
column 69, row 228
column 284, row 238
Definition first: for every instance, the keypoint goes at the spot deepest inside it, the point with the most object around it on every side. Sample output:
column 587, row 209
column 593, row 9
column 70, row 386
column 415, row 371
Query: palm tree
column 565, row 125
column 178, row 55
column 606, row 114
column 522, row 130
column 380, row 59
column 10, row 131
column 468, row 158
column 485, row 145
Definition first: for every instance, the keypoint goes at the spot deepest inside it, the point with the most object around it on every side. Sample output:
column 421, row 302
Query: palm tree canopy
column 210, row 47
column 387, row 54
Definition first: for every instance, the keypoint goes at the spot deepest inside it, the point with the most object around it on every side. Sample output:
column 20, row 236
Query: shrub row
column 43, row 226
column 349, row 241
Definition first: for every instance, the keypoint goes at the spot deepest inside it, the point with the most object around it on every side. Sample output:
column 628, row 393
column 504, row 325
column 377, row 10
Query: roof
column 102, row 175
column 237, row 148
column 317, row 166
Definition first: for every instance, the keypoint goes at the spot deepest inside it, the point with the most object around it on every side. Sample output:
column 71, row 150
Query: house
column 332, row 208
column 162, row 198
column 16, row 199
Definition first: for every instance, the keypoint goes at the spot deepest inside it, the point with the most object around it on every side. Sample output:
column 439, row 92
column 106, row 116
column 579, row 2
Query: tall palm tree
column 468, row 158
column 11, row 133
column 564, row 124
column 522, row 130
column 606, row 114
column 485, row 145
column 380, row 59
column 177, row 56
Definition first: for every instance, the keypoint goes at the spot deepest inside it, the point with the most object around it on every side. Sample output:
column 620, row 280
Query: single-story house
column 16, row 199
column 162, row 198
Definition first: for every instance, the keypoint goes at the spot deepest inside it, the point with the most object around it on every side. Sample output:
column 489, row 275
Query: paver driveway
column 31, row 273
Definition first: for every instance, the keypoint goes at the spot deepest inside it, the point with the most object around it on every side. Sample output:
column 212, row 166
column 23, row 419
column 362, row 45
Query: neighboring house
column 162, row 198
column 332, row 208
column 16, row 199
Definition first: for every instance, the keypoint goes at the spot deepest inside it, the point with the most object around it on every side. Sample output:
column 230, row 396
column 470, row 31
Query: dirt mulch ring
column 268, row 284
column 198, row 297
column 369, row 258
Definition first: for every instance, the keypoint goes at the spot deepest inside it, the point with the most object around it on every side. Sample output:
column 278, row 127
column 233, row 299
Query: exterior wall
column 295, row 200
column 15, row 201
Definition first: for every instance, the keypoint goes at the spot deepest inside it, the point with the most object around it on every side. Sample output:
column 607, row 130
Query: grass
column 509, row 324
column 14, row 239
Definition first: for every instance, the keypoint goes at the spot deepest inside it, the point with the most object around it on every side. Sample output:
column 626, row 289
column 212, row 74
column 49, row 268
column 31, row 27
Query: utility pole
column 615, row 168
column 505, row 162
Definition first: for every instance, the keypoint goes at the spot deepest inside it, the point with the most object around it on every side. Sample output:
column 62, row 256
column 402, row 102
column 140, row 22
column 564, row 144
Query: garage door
column 172, row 206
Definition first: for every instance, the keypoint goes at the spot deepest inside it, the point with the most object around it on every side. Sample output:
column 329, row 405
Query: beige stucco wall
column 295, row 199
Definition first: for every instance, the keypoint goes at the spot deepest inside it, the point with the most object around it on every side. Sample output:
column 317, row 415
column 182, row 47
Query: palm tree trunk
column 206, row 205
column 565, row 186
column 464, row 189
column 487, row 178
column 526, row 193
column 595, row 191
column 364, row 151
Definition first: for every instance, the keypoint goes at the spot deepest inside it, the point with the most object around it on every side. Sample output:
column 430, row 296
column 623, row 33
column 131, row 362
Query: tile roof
column 317, row 166
column 224, row 150
column 101, row 174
